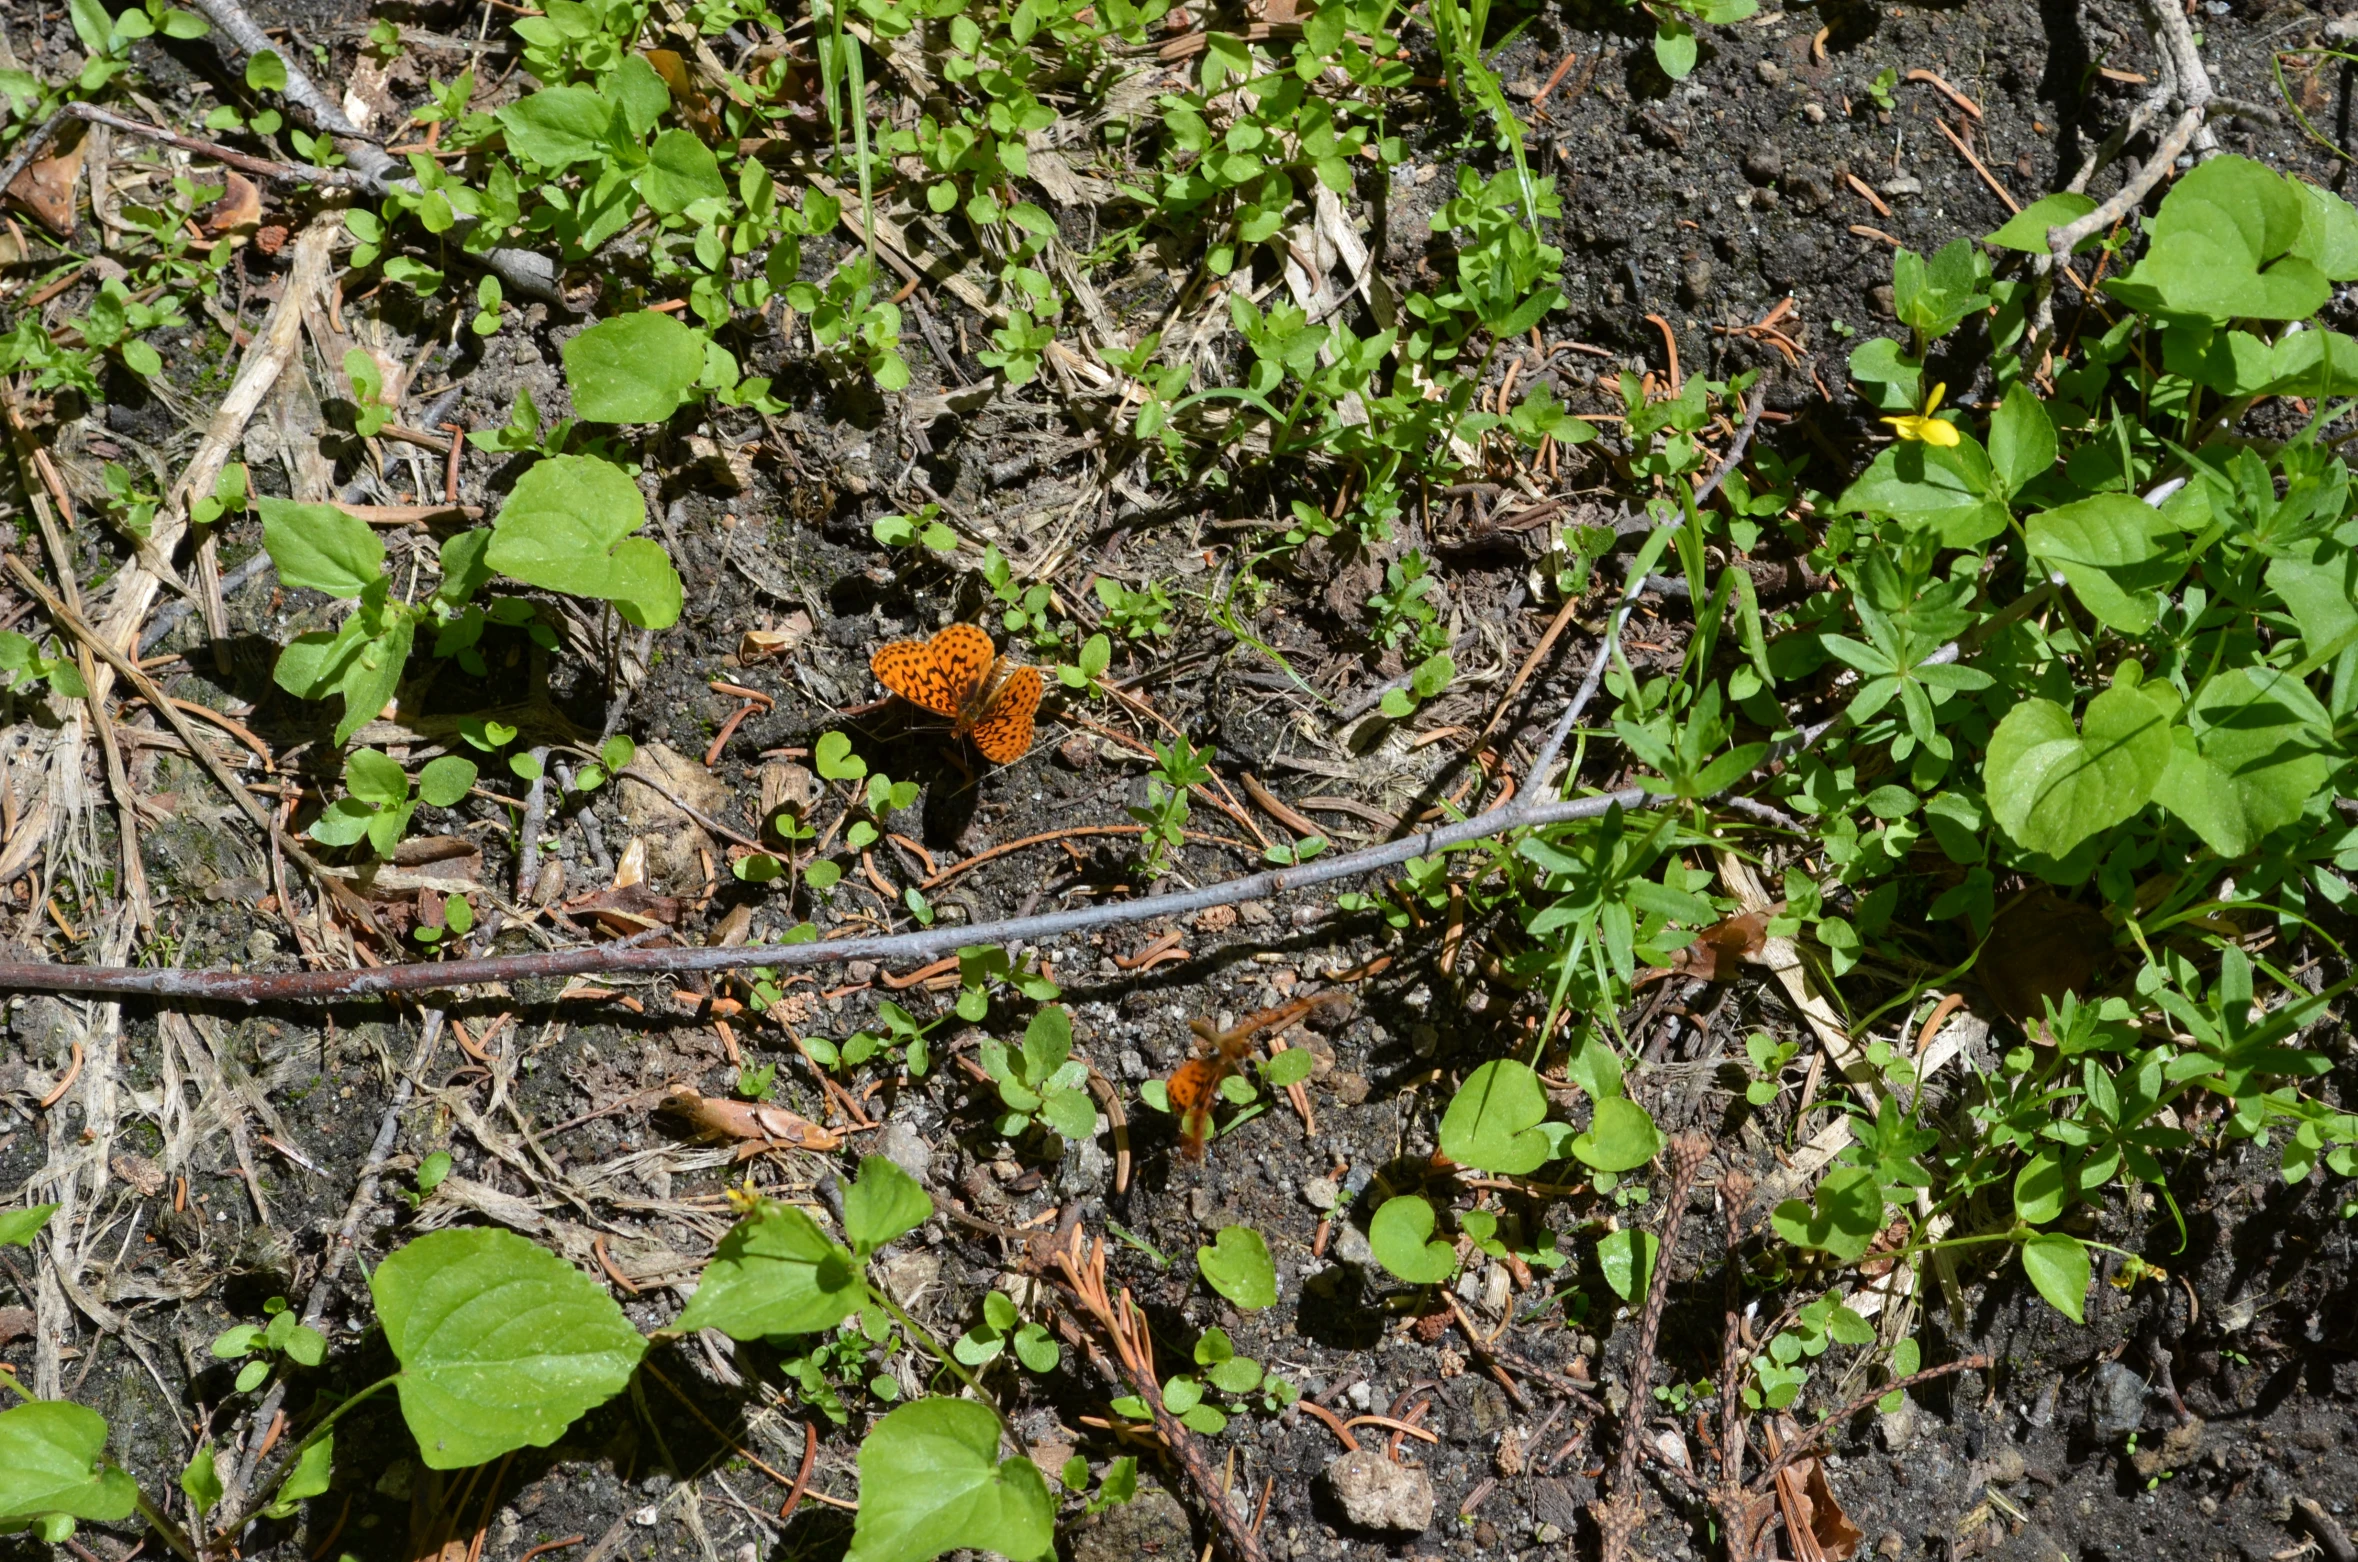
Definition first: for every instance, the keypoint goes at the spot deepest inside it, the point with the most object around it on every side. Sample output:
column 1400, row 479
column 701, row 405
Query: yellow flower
column 1924, row 426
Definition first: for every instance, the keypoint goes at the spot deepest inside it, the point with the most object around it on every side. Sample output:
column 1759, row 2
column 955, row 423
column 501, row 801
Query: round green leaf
column 558, row 127
column 931, row 1481
column 502, row 1344
column 1237, row 1266
column 1490, row 1122
column 1621, row 1137
column 2058, row 1265
column 1398, row 1233
column 635, row 368
column 775, row 1273
column 680, row 171
column 51, row 1457
column 444, row 781
column 2038, row 1188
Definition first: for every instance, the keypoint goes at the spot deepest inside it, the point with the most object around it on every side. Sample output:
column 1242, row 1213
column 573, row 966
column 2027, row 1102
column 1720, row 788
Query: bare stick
column 925, row 944
column 228, row 157
column 1809, row 1439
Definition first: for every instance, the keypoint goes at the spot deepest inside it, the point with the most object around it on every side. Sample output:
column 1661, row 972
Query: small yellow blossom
column 1924, row 426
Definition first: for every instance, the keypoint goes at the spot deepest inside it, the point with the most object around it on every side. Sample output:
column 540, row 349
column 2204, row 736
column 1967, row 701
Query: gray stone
column 1771, row 72
column 1375, row 1493
column 1321, row 1193
column 1150, row 1525
column 1903, row 184
column 1489, row 1405
column 906, row 1148
column 1694, row 281
column 1898, row 1429
column 1762, row 164
column 1351, row 1247
column 2116, row 1401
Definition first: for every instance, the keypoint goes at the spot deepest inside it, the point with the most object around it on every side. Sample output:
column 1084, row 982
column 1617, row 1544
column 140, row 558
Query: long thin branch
column 1617, row 1513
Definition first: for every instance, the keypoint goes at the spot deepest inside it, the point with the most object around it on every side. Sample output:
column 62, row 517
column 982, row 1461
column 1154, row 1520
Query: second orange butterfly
column 960, row 674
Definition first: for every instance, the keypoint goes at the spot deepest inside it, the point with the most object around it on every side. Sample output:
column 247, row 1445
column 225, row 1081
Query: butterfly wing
column 965, row 656
column 1004, row 733
column 909, row 669
column 1189, row 1090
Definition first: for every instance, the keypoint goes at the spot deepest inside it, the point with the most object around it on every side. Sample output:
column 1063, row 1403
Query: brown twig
column 1809, row 1438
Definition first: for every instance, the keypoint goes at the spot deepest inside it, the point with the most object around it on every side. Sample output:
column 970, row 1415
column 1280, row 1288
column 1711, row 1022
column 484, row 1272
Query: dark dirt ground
column 1704, row 203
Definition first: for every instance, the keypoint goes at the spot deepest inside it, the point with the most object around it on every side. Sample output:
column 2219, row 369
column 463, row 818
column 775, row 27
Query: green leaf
column 1627, row 1257
column 1946, row 490
column 2022, row 437
column 2247, row 762
column 558, row 127
column 18, row 1227
column 308, row 1479
column 1398, row 1233
column 566, row 527
column 640, row 91
column 1036, row 1348
column 201, row 1479
column 1621, row 1137
column 321, row 547
column 442, row 782
column 1237, row 1266
column 2038, row 1188
column 680, row 171
column 931, row 1481
column 375, row 777
column 1842, row 1218
column 50, row 1462
column 635, row 368
column 266, row 72
column 775, row 1273
column 2057, row 1264
column 2110, row 550
column 1070, row 1112
column 884, row 1203
column 834, row 760
column 2051, row 786
column 502, row 1344
column 1289, row 1067
column 1492, row 1120
column 2027, row 229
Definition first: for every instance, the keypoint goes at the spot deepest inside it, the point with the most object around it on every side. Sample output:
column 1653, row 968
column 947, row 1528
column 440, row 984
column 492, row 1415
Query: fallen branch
column 924, row 944
column 228, row 157
column 1618, row 1512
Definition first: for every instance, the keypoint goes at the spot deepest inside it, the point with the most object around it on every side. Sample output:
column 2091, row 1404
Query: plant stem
column 163, row 1525
column 924, row 1337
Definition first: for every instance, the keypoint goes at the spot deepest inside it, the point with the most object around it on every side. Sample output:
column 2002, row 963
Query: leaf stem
column 162, row 1523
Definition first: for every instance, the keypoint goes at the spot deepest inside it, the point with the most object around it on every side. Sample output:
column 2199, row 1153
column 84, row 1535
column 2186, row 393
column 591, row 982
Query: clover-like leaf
column 931, row 1481
column 1398, row 1235
column 567, row 527
column 52, row 1462
column 884, row 1203
column 502, row 1344
column 775, row 1272
column 2057, row 1264
column 1491, row 1121
column 1237, row 1266
column 635, row 368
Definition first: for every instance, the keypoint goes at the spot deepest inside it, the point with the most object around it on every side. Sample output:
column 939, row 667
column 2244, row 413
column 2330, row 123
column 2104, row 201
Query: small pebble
column 1815, row 113
column 1770, row 72
column 1321, row 1193
column 1361, row 1394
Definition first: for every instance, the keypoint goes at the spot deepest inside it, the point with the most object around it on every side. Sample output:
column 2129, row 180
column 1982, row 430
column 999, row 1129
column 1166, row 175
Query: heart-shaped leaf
column 2111, row 550
column 635, row 368
column 775, row 1273
column 1491, row 1121
column 931, row 1481
column 502, row 1344
column 51, row 1462
column 567, row 527
column 2052, row 785
column 2247, row 762
column 1621, row 1137
column 1237, row 1266
column 1398, row 1233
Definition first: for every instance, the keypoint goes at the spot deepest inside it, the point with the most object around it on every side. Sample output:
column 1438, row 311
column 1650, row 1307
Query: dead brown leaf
column 2040, row 947
column 720, row 1118
column 1716, row 952
column 16, row 1323
column 145, row 1177
column 240, row 208
column 1815, row 1525
column 46, row 189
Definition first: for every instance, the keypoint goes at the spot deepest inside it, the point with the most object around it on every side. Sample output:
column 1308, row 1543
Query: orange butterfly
column 1192, row 1088
column 959, row 674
